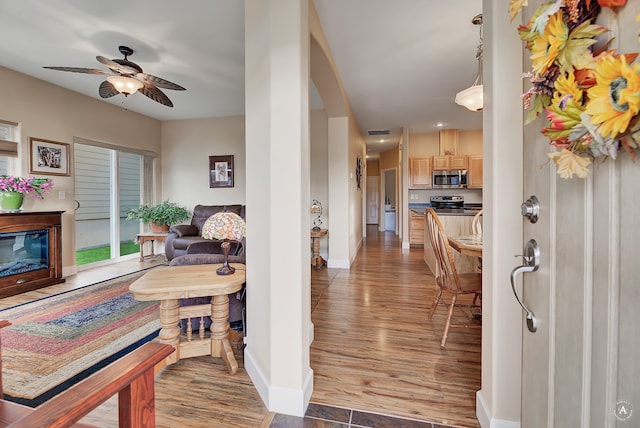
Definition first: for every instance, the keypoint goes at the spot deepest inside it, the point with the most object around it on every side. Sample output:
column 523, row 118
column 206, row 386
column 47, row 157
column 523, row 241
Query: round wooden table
column 170, row 283
column 316, row 260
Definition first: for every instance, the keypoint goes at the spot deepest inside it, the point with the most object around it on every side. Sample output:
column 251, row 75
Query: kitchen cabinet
column 416, row 229
column 458, row 162
column 420, row 173
column 474, row 174
column 454, row 225
column 447, row 163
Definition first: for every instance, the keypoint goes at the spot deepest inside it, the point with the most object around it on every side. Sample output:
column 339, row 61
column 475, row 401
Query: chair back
column 447, row 275
column 476, row 225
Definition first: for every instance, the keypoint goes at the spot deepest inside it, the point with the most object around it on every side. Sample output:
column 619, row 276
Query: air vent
column 378, row 132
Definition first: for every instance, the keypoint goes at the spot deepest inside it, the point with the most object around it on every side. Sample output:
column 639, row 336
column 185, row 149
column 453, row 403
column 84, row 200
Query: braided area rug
column 56, row 341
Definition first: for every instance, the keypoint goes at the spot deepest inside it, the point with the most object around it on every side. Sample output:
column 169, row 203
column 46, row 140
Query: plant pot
column 11, row 201
column 159, row 228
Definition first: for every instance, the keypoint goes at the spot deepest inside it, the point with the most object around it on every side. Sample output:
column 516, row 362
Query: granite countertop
column 469, row 209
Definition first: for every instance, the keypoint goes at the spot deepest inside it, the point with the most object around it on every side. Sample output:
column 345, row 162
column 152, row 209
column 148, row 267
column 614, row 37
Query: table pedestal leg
column 220, row 343
column 170, row 332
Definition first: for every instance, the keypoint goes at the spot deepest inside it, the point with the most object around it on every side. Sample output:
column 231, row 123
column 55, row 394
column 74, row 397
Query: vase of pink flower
column 13, row 190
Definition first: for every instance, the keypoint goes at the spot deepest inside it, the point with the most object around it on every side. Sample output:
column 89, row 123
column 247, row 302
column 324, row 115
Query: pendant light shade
column 472, row 97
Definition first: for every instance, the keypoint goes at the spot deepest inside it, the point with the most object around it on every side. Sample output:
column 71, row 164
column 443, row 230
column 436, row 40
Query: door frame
column 498, row 402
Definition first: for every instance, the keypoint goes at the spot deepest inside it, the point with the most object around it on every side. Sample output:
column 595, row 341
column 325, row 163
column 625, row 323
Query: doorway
column 389, row 193
column 107, row 183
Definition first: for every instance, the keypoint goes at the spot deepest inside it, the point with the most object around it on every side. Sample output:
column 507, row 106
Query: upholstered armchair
column 187, row 238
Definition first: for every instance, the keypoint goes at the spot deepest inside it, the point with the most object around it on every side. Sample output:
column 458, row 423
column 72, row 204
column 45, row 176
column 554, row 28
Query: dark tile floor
column 321, row 416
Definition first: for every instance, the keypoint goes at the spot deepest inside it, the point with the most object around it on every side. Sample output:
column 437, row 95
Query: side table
column 317, row 261
column 141, row 238
column 170, row 283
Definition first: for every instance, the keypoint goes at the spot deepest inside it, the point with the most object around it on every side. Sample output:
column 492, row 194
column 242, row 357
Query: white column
column 277, row 199
column 498, row 402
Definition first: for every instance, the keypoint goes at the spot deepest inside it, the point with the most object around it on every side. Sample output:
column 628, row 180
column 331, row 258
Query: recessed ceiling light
column 439, row 124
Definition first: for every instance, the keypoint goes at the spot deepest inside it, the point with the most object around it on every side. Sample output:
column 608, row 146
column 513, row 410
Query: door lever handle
column 531, row 261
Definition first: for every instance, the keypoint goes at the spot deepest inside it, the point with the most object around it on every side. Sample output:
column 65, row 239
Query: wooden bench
column 131, row 377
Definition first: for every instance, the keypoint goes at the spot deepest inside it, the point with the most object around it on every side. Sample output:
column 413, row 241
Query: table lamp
column 224, row 226
column 316, row 208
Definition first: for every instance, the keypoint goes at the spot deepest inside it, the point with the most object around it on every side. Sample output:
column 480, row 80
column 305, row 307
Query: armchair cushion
column 184, row 230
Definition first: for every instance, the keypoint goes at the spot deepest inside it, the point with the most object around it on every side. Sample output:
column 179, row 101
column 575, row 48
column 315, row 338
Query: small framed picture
column 48, row 157
column 221, row 171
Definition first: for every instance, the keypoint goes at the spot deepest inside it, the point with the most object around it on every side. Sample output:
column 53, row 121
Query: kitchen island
column 456, row 222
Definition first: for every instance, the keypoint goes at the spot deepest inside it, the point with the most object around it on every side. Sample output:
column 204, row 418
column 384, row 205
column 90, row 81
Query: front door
column 580, row 368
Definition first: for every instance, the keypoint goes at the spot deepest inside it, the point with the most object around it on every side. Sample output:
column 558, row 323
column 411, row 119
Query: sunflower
column 615, row 99
column 546, row 48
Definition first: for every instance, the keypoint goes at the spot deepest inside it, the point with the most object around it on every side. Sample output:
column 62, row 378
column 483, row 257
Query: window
column 9, row 137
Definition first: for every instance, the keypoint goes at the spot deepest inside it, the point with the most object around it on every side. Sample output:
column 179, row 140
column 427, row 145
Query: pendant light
column 472, row 97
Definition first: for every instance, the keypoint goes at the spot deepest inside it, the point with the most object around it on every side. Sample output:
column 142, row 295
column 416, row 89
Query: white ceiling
column 401, row 61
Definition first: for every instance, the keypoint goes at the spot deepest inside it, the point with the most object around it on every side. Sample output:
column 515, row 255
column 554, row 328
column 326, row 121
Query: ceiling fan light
column 125, row 85
column 471, row 98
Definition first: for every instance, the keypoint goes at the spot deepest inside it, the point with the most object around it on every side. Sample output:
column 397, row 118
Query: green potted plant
column 160, row 216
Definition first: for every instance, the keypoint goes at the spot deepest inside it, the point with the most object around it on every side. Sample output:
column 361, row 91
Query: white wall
column 320, row 171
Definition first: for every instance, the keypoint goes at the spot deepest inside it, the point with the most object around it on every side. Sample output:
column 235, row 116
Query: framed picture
column 221, row 171
column 48, row 157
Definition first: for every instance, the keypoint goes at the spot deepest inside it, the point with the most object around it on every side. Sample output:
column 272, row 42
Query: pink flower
column 37, row 187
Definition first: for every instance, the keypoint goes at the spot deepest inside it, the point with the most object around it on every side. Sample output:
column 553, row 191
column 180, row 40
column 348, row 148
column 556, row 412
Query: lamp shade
column 471, row 98
column 224, row 225
column 125, row 85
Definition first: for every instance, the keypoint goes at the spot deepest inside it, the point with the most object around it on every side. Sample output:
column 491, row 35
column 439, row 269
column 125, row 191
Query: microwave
column 449, row 179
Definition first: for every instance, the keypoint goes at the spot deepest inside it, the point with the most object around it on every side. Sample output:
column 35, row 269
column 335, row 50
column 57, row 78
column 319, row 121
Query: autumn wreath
column 591, row 96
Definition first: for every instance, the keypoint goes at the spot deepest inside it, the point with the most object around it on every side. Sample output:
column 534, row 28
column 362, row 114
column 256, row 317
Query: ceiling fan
column 126, row 77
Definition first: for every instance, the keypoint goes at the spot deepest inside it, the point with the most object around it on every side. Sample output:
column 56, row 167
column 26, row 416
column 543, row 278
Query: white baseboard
column 484, row 415
column 277, row 399
column 406, row 245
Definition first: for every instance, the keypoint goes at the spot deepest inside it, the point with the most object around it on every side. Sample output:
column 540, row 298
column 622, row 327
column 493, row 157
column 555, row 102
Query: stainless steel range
column 447, row 202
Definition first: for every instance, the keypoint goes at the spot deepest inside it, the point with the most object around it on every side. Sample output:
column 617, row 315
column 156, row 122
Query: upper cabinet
column 474, row 175
column 458, row 162
column 446, row 163
column 420, row 172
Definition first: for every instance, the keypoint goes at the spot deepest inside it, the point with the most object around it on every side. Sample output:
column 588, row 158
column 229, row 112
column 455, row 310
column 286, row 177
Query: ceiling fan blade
column 80, row 70
column 107, row 90
column 157, row 81
column 118, row 68
column 155, row 94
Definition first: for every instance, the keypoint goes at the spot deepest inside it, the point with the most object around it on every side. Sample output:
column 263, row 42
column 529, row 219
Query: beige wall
column 186, row 147
column 373, row 168
column 47, row 111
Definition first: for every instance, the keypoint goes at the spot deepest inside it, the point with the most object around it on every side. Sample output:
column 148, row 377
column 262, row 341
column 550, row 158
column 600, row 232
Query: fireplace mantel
column 30, row 251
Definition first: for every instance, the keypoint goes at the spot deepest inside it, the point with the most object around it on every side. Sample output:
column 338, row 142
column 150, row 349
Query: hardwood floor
column 374, row 353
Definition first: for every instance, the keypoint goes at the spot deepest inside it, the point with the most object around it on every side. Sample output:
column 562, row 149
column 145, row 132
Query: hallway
column 374, row 348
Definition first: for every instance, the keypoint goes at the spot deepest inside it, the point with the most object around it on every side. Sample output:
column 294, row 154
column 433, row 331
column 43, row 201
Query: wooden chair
column 476, row 225
column 447, row 277
column 131, row 377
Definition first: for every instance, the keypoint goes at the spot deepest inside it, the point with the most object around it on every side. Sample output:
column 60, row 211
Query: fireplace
column 30, row 251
